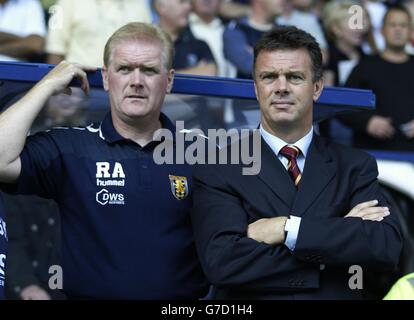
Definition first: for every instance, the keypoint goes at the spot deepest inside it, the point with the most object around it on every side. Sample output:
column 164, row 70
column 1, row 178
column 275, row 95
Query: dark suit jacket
column 334, row 180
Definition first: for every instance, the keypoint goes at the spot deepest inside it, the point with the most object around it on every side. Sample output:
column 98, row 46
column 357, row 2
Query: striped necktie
column 291, row 153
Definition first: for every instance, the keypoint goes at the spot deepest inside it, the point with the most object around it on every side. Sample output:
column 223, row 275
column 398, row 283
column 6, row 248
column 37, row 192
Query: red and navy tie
column 291, row 153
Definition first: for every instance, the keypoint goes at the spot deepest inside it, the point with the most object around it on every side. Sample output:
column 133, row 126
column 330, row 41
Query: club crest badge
column 179, row 186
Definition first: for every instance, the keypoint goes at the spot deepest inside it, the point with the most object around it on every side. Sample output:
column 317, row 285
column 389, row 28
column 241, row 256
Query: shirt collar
column 108, row 132
column 276, row 144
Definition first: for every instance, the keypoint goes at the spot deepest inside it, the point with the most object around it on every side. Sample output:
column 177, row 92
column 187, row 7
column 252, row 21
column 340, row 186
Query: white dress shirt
column 276, row 144
column 212, row 34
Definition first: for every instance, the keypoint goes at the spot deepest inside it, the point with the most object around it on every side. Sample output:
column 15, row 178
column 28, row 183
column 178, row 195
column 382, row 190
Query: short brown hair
column 140, row 31
column 291, row 38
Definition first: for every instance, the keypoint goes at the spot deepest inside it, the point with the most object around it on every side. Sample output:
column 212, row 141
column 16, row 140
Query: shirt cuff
column 292, row 228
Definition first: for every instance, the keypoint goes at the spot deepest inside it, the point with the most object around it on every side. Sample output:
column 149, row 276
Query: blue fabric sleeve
column 237, row 50
column 41, row 167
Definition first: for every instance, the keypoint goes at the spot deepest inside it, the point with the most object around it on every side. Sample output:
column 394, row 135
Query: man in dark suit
column 289, row 231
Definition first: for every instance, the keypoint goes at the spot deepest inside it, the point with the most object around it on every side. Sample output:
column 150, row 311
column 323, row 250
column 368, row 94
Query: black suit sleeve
column 347, row 241
column 227, row 255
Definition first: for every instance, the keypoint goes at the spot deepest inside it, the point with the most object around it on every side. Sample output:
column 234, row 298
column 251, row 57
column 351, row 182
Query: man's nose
column 136, row 77
column 281, row 85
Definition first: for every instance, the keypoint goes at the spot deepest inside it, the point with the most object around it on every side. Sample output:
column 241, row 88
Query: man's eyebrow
column 147, row 65
column 150, row 65
column 267, row 72
column 122, row 63
column 296, row 72
column 275, row 72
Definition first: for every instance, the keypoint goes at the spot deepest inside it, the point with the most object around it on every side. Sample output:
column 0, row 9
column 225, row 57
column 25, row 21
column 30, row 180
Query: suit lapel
column 318, row 172
column 275, row 176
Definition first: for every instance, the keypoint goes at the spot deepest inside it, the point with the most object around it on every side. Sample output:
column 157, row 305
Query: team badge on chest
column 179, row 186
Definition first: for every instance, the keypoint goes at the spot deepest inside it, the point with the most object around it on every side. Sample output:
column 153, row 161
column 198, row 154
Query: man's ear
column 104, row 73
column 170, row 80
column 317, row 89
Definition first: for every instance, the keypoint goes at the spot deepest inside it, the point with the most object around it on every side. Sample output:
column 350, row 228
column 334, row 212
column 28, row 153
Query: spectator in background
column 192, row 56
column 22, row 30
column 346, row 45
column 241, row 35
column 80, row 29
column 391, row 125
column 299, row 13
column 207, row 26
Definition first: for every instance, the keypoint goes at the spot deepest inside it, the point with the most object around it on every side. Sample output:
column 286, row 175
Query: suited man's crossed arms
column 272, row 230
column 293, row 230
